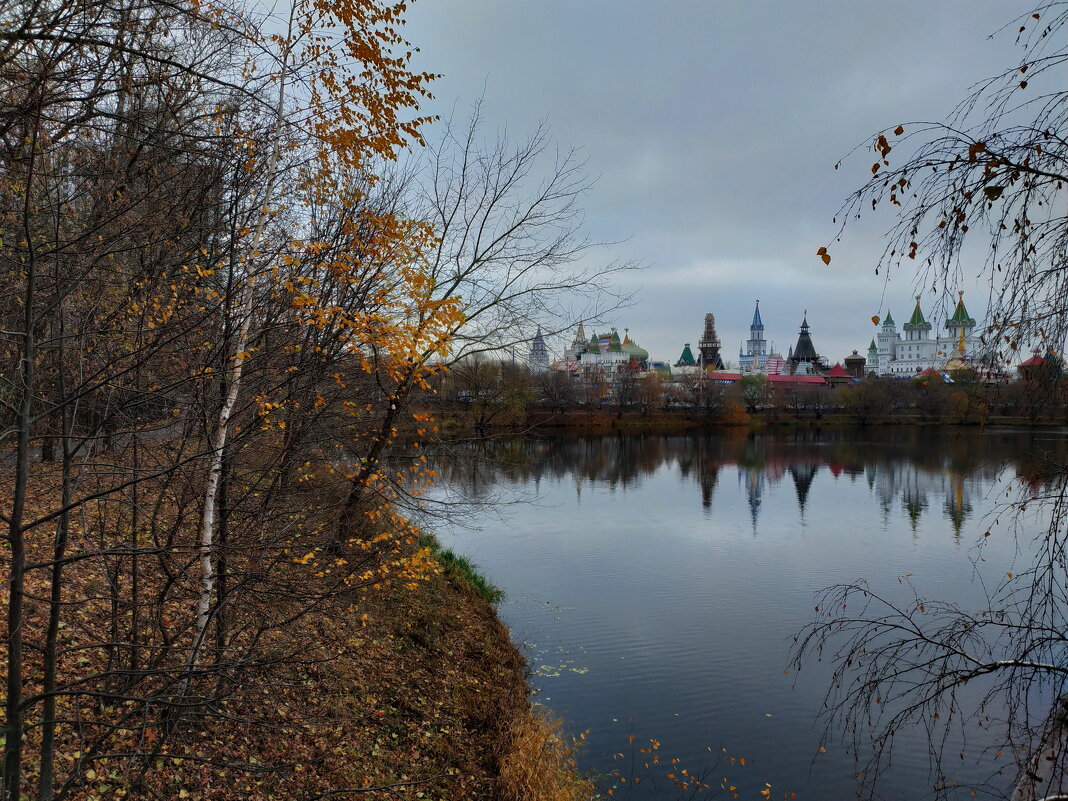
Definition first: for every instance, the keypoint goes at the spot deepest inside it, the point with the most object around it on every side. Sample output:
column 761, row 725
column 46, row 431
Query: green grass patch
column 461, row 571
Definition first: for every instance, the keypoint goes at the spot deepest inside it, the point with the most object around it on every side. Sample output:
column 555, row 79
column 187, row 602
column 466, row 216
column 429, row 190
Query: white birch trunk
column 233, row 376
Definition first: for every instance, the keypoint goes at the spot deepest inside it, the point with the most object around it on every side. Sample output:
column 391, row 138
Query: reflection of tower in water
column 914, row 495
column 753, row 478
column 957, row 506
column 886, row 486
column 709, row 477
column 899, row 481
column 803, row 475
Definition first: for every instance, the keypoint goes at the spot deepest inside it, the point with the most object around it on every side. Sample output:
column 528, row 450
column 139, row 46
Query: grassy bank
column 461, row 571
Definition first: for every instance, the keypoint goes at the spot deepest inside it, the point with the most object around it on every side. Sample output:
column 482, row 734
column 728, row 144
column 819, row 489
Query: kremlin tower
column 709, row 345
column 755, row 358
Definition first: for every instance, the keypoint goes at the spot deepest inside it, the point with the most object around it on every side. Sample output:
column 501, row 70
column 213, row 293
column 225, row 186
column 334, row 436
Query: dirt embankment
column 427, row 700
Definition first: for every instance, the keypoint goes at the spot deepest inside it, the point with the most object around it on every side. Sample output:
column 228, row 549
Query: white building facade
column 914, row 350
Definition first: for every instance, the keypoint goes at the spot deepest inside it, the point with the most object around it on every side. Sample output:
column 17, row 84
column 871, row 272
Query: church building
column 605, row 354
column 908, row 354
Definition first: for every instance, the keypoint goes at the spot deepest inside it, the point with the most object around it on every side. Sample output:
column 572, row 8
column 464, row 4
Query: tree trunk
column 206, row 546
column 46, row 782
column 12, row 766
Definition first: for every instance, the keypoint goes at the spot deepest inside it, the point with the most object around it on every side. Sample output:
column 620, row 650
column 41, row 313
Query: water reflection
column 658, row 580
column 921, row 470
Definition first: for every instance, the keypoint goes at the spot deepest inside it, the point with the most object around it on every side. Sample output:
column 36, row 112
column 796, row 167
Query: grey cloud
column 712, row 129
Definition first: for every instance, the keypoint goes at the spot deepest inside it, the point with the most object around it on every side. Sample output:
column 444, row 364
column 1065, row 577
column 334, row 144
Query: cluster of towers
column 891, row 353
column 606, row 351
column 755, row 356
column 708, row 349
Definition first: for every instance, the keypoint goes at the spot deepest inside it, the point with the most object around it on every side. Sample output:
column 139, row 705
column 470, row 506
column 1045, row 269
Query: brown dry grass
column 539, row 764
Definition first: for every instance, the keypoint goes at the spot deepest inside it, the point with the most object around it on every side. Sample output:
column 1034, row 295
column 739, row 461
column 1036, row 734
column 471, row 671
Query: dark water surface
column 656, row 581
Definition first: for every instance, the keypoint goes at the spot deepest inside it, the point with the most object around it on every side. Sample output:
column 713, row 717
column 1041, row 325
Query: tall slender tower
column 757, row 345
column 578, row 345
column 709, row 345
column 887, row 348
column 538, row 360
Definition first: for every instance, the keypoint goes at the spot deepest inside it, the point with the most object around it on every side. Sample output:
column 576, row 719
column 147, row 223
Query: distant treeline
column 483, row 394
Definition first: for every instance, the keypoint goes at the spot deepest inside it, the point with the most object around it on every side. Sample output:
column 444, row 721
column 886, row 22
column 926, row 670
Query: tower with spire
column 755, row 355
column 578, row 345
column 888, row 339
column 960, row 325
column 917, row 329
column 803, row 358
column 538, row 360
column 709, row 345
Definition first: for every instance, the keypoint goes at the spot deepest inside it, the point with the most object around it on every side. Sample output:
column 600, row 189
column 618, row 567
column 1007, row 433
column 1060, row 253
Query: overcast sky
column 712, row 129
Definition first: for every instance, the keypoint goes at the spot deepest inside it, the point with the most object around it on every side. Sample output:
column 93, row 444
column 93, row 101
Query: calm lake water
column 656, row 582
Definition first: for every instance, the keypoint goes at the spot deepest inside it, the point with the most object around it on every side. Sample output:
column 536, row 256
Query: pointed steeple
column 804, row 350
column 960, row 314
column 917, row 329
column 889, row 319
column 539, row 352
column 757, row 346
column 757, row 322
column 916, row 320
column 917, row 315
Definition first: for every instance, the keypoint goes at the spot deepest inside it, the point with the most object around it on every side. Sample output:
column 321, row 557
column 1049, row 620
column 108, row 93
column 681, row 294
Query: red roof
column 796, row 379
column 838, row 371
column 722, row 376
column 1034, row 361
